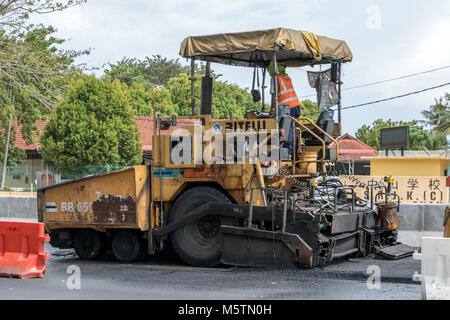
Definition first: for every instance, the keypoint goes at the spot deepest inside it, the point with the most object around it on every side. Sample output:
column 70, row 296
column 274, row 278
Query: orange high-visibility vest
column 286, row 92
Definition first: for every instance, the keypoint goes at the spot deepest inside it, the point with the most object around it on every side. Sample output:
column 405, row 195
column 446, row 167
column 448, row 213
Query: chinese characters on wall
column 409, row 189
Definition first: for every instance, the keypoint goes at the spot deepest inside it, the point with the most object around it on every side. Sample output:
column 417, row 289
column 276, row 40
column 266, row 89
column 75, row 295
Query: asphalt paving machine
column 227, row 190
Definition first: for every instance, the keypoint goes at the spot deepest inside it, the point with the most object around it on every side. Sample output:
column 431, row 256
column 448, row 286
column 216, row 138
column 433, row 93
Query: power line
column 396, row 97
column 387, row 99
column 388, row 80
column 399, row 78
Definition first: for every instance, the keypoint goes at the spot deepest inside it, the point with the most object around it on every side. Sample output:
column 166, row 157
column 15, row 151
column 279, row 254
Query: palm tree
column 438, row 115
column 435, row 141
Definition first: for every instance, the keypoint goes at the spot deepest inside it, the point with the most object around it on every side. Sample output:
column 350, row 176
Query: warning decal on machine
column 51, row 207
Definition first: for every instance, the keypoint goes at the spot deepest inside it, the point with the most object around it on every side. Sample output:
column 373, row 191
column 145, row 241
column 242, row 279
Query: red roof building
column 145, row 125
column 352, row 153
column 20, row 141
column 30, row 173
column 352, row 149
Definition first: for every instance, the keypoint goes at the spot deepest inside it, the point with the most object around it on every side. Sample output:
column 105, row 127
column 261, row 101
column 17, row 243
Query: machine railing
column 305, row 128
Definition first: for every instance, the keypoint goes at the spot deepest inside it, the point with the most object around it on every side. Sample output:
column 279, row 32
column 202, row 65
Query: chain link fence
column 29, row 177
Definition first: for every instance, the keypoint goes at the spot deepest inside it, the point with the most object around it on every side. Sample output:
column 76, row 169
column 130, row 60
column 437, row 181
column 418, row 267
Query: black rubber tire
column 126, row 246
column 199, row 243
column 88, row 244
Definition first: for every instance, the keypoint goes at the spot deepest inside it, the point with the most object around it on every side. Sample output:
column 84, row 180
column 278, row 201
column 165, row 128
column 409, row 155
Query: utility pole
column 193, row 86
column 5, row 158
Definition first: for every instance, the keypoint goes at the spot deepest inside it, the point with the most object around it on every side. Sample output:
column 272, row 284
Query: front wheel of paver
column 199, row 243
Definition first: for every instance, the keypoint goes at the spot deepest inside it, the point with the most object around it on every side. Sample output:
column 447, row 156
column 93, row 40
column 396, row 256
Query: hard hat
column 281, row 69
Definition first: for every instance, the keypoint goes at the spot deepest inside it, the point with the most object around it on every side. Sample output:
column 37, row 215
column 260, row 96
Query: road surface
column 167, row 278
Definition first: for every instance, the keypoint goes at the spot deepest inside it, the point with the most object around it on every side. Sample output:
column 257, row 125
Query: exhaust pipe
column 206, row 95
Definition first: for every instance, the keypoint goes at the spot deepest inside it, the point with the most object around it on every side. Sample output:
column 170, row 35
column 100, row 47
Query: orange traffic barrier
column 22, row 250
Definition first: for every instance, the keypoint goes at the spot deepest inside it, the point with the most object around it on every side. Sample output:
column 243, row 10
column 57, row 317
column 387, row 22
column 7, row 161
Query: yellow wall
column 408, row 166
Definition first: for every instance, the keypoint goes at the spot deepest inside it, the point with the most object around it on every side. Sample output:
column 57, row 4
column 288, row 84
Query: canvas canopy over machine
column 290, row 47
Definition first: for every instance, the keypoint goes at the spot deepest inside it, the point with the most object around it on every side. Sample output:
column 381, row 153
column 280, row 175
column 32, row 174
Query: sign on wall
column 409, row 189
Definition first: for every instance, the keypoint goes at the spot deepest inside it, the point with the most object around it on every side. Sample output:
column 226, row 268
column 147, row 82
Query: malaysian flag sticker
column 51, row 207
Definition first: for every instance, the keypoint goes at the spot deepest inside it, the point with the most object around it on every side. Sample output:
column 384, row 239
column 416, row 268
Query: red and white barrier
column 22, row 250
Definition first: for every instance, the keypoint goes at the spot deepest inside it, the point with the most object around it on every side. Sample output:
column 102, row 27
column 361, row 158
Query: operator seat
column 326, row 123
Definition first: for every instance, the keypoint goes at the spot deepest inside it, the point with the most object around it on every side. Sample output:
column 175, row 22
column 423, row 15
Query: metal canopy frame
column 274, row 82
column 262, row 59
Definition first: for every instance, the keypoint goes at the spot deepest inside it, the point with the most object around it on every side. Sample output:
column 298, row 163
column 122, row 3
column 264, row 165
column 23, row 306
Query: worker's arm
column 272, row 94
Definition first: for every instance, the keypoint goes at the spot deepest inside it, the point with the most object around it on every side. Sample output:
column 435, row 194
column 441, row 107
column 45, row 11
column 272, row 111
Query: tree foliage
column 175, row 98
column 14, row 13
column 33, row 72
column 419, row 137
column 30, row 57
column 227, row 98
column 143, row 101
column 94, row 125
column 309, row 109
column 150, row 72
column 438, row 115
column 165, row 84
column 16, row 156
column 33, row 67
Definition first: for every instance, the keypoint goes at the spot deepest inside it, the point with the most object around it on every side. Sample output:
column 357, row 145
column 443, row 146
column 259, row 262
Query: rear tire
column 126, row 246
column 199, row 243
column 88, row 244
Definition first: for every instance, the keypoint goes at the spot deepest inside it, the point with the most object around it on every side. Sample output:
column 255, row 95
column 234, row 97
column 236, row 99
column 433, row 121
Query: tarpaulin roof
column 256, row 48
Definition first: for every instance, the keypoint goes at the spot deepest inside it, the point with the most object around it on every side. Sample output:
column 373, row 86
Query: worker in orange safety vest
column 287, row 96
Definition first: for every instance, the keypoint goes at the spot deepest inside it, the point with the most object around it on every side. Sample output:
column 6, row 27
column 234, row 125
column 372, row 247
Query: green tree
column 150, row 72
column 230, row 98
column 166, row 85
column 438, row 115
column 143, row 101
column 14, row 13
column 33, row 68
column 94, row 125
column 226, row 97
column 129, row 71
column 35, row 78
column 161, row 70
column 180, row 93
column 419, row 137
column 435, row 141
column 16, row 156
column 309, row 109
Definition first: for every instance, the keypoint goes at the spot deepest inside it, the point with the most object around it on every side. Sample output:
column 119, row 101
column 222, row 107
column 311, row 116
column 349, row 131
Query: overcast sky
column 388, row 39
